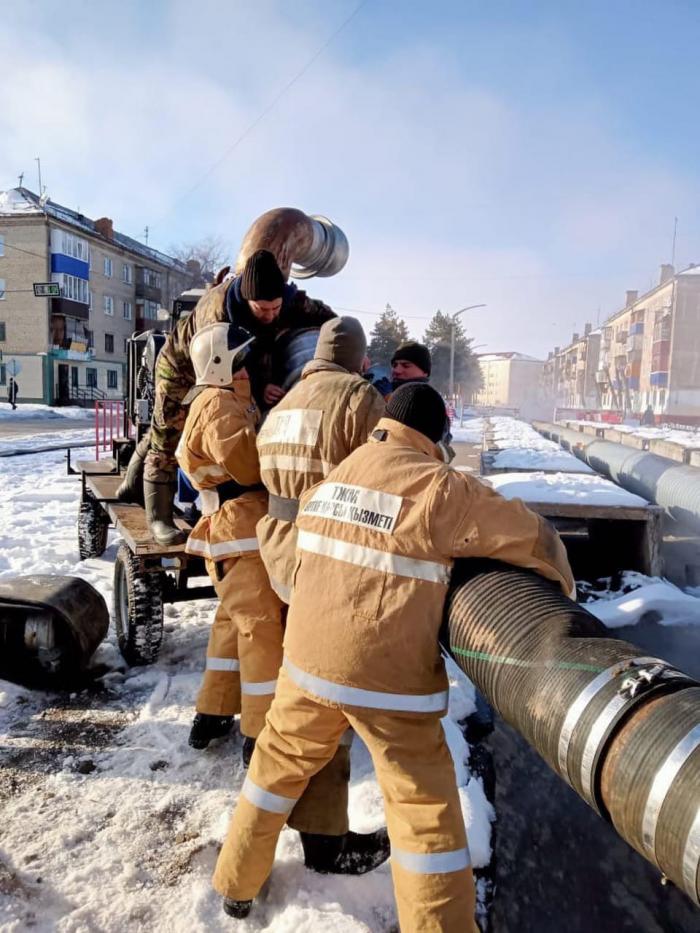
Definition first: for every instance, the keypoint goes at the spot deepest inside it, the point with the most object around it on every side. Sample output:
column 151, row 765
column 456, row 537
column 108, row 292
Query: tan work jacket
column 376, row 543
column 218, row 445
column 327, row 414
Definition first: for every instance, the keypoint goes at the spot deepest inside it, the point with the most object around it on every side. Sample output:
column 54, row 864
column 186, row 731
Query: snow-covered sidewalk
column 110, row 822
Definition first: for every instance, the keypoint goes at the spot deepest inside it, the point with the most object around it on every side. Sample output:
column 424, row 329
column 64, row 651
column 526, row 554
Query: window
column 126, row 310
column 2, row 331
column 2, row 289
column 109, row 343
column 91, row 378
column 73, row 246
column 2, row 244
column 127, row 274
column 126, row 344
column 151, row 278
column 150, row 310
column 112, row 379
column 107, row 267
column 74, row 376
column 3, row 374
column 73, row 288
column 108, row 304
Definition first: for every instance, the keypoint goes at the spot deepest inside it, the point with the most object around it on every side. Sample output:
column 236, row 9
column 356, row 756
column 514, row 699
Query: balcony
column 149, row 292
column 601, row 376
column 68, row 308
column 73, row 351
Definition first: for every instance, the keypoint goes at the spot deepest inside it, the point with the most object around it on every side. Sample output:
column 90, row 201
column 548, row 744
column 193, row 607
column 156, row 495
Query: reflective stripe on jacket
column 376, row 543
column 217, row 445
column 323, row 418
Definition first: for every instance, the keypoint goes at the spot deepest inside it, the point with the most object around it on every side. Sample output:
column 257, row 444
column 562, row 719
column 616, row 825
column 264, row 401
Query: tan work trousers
column 430, row 864
column 243, row 660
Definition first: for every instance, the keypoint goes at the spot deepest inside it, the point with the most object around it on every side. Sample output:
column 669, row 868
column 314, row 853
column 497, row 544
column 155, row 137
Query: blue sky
column 529, row 155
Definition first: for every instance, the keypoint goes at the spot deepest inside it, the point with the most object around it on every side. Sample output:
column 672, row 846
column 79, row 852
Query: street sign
column 47, row 290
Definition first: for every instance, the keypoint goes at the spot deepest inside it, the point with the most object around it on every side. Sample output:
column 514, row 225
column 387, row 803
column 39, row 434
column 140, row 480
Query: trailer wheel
column 93, row 524
column 138, row 609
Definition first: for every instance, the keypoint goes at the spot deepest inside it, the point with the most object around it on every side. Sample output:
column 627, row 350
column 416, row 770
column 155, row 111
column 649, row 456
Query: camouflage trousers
column 167, row 423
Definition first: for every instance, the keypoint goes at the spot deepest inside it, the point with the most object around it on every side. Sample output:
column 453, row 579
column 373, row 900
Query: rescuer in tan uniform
column 322, row 419
column 258, row 300
column 217, row 451
column 376, row 544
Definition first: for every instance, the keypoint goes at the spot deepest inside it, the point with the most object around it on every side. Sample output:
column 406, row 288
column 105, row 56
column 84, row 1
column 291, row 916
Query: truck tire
column 138, row 609
column 93, row 524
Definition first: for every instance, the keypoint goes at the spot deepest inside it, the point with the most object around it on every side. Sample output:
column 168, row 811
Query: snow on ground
column 510, row 432
column 644, row 599
column 45, row 412
column 563, row 488
column 22, row 442
column 469, row 431
column 688, row 438
column 110, row 822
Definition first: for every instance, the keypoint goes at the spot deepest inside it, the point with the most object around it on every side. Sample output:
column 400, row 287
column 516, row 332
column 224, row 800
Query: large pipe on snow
column 305, row 245
column 621, row 728
column 659, row 479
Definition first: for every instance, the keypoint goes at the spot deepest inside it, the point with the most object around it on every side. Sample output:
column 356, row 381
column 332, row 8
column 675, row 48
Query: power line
column 27, row 251
column 261, row 116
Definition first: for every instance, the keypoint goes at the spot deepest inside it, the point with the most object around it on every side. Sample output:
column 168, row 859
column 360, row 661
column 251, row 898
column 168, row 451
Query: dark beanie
column 415, row 353
column 342, row 341
column 261, row 279
column 419, row 406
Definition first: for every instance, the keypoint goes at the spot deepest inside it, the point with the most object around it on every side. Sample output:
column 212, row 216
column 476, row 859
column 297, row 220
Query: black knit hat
column 415, row 353
column 419, row 406
column 261, row 279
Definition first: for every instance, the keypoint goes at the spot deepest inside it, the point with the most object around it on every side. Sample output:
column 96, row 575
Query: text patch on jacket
column 355, row 505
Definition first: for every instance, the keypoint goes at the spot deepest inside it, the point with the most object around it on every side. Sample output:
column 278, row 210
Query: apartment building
column 650, row 350
column 72, row 348
column 510, row 380
column 569, row 373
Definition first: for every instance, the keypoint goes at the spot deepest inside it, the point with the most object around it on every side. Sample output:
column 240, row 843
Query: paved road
column 27, row 427
column 559, row 867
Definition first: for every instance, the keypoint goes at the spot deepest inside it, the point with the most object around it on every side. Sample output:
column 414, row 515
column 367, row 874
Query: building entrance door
column 63, row 384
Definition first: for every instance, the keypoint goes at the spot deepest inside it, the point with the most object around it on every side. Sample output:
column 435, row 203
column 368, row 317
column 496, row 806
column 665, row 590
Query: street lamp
column 453, row 318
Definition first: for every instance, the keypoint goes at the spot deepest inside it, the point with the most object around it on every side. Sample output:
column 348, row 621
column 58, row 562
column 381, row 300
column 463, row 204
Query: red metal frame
column 109, row 422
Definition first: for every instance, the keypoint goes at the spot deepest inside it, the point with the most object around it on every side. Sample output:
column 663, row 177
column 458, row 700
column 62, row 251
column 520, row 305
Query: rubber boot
column 248, row 749
column 206, row 727
column 131, row 487
column 350, row 854
column 237, row 909
column 159, row 512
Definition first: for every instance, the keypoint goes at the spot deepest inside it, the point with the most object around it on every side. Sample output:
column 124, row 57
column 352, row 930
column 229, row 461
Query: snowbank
column 651, row 598
column 470, row 432
column 563, row 488
column 40, row 412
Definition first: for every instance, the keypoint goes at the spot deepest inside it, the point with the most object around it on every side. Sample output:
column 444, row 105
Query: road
column 27, row 427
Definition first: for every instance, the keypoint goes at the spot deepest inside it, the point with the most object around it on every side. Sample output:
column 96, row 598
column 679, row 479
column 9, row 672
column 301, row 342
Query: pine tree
column 388, row 333
column 467, row 373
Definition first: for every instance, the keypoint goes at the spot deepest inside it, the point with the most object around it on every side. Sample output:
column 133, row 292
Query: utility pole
column 38, row 162
column 453, row 318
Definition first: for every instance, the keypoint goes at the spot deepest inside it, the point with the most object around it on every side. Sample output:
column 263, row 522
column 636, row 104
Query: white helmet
column 218, row 351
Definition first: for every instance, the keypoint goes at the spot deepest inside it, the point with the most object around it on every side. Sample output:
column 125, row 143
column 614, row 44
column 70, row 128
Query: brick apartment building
column 647, row 353
column 73, row 348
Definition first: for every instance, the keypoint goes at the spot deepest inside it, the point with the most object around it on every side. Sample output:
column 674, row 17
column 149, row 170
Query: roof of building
column 22, row 201
column 510, row 355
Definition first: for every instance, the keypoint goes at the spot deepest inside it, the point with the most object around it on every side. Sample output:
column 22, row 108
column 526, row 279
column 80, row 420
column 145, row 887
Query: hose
column 621, row 728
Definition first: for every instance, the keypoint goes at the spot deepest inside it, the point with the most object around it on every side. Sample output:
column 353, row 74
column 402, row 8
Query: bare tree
column 203, row 258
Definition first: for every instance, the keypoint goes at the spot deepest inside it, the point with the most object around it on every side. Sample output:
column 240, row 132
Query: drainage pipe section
column 305, row 245
column 621, row 728
column 669, row 484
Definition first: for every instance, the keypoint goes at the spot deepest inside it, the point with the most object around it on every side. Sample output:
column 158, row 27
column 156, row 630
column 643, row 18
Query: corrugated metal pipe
column 666, row 482
column 304, row 244
column 621, row 728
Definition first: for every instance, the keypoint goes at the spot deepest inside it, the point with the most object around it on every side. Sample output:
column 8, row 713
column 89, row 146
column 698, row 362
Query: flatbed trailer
column 147, row 575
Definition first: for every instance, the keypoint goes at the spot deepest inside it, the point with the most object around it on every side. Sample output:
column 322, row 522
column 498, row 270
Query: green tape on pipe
column 517, row 662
